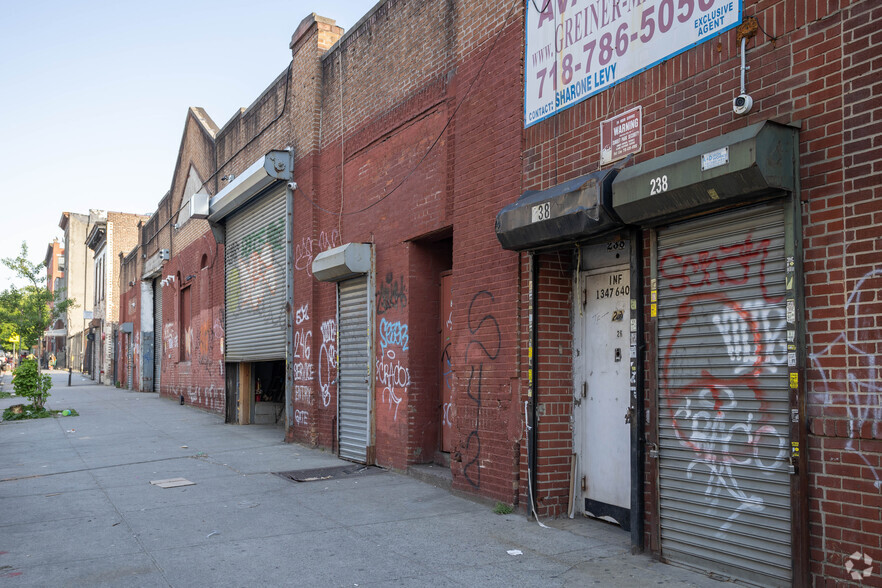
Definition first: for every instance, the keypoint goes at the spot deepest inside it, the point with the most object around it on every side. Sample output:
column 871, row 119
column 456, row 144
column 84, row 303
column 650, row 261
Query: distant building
column 54, row 338
column 78, row 282
column 110, row 233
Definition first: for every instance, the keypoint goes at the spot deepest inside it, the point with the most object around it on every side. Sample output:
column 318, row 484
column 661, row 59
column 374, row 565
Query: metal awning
column 276, row 165
column 571, row 211
column 740, row 166
column 343, row 262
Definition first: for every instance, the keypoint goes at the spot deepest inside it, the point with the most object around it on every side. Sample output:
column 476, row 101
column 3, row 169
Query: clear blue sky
column 94, row 95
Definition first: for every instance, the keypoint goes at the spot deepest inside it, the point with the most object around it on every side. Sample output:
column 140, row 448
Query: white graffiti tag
column 327, row 360
column 861, row 392
column 394, row 377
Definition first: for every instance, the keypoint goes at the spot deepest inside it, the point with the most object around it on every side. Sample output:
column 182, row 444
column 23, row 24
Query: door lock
column 618, row 354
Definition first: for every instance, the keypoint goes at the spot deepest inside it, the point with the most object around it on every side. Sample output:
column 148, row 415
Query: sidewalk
column 77, row 509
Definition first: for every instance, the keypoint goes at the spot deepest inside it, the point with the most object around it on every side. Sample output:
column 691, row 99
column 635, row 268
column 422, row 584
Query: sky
column 94, row 95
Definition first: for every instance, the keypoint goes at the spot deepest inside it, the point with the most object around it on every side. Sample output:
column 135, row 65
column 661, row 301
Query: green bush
column 31, row 384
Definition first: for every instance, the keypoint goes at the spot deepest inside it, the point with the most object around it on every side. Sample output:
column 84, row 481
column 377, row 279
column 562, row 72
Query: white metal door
column 602, row 394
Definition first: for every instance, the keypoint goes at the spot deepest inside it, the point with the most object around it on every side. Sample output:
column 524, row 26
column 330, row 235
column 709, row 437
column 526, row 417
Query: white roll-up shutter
column 130, row 359
column 354, row 370
column 724, row 394
column 255, row 280
column 157, row 334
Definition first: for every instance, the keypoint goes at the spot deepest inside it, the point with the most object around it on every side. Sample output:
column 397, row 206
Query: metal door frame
column 637, row 355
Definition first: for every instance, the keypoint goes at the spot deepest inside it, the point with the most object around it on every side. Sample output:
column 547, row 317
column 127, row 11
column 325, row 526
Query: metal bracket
column 279, row 163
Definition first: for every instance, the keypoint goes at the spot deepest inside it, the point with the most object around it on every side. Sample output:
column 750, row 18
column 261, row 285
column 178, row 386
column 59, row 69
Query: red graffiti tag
column 728, row 266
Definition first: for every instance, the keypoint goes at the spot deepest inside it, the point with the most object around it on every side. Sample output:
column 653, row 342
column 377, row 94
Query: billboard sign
column 577, row 48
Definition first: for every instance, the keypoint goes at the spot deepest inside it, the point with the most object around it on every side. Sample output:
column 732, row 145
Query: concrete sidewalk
column 77, row 509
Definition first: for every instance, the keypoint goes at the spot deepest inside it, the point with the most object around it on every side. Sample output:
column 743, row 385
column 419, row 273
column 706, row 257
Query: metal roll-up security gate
column 354, row 369
column 723, row 394
column 255, row 280
column 157, row 334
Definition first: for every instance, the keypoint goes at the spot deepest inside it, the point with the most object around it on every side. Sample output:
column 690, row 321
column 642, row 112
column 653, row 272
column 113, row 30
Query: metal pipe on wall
column 289, row 303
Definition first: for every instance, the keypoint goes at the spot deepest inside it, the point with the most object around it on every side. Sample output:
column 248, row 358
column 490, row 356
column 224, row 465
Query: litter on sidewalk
column 173, row 483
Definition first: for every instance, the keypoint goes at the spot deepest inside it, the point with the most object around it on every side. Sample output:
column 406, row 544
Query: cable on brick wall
column 772, row 38
column 437, row 139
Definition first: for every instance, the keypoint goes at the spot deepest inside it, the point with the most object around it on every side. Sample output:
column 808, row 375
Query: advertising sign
column 577, row 48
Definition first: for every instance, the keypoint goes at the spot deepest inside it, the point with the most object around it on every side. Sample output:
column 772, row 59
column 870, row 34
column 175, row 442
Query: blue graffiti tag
column 393, row 334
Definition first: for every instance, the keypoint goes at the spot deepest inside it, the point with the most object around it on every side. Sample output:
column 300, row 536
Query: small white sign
column 87, row 315
column 541, row 212
column 714, row 159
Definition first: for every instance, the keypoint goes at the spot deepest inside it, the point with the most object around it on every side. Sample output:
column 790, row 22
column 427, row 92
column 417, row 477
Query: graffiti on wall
column 302, row 368
column 393, row 334
column 210, row 397
column 724, row 409
column 859, row 385
column 327, row 370
column 391, row 294
column 448, row 406
column 170, row 337
column 483, row 347
column 392, row 374
column 447, row 385
column 308, row 247
column 254, row 263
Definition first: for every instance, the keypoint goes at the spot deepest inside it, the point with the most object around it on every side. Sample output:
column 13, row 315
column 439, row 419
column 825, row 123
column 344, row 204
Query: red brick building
column 54, row 340
column 546, row 249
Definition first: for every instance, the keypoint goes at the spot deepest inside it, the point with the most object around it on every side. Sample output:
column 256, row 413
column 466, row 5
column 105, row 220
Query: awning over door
column 570, row 211
column 738, row 167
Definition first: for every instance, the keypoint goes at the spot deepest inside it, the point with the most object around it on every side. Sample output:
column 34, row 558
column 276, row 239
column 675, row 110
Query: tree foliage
column 25, row 310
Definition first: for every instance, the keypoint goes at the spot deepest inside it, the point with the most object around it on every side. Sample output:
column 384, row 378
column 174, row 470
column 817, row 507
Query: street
column 77, row 509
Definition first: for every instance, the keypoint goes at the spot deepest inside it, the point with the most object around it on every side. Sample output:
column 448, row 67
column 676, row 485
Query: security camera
column 742, row 104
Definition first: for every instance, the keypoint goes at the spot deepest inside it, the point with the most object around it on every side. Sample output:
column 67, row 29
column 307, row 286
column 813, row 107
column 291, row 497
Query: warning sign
column 621, row 135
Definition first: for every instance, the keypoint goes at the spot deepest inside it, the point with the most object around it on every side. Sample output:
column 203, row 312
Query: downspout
column 289, row 303
column 531, row 424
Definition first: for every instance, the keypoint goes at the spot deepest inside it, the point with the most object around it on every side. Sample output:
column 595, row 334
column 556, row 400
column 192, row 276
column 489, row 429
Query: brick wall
column 129, row 311
column 200, row 379
column 434, row 152
column 553, row 380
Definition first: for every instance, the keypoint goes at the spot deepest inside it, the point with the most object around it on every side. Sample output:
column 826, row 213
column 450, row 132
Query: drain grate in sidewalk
column 316, row 474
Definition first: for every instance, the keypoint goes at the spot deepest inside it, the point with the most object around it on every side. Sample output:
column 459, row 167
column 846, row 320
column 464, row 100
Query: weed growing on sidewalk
column 502, row 508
